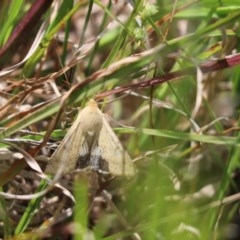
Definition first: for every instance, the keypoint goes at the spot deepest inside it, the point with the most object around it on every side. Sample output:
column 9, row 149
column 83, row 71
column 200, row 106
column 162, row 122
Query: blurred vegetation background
column 167, row 72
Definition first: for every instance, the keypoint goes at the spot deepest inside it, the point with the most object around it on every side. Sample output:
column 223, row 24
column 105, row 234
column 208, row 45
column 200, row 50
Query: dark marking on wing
column 93, row 160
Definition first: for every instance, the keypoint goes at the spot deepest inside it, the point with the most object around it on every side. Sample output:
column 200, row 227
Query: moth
column 91, row 143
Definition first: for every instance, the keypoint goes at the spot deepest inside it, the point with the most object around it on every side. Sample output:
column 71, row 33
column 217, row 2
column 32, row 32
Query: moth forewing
column 112, row 151
column 64, row 158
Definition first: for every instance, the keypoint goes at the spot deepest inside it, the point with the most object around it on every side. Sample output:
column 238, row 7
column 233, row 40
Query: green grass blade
column 30, row 210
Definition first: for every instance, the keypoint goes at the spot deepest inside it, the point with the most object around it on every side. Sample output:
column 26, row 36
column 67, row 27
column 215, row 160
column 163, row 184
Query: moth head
column 92, row 103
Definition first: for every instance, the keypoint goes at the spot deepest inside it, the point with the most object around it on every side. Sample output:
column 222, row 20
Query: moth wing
column 64, row 159
column 119, row 162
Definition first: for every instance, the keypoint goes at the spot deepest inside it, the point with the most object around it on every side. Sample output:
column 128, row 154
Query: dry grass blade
column 31, row 51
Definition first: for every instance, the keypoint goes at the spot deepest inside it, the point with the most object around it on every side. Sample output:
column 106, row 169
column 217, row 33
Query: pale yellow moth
column 91, row 142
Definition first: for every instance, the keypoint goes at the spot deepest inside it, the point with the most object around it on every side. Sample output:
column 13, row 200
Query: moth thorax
column 91, row 123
